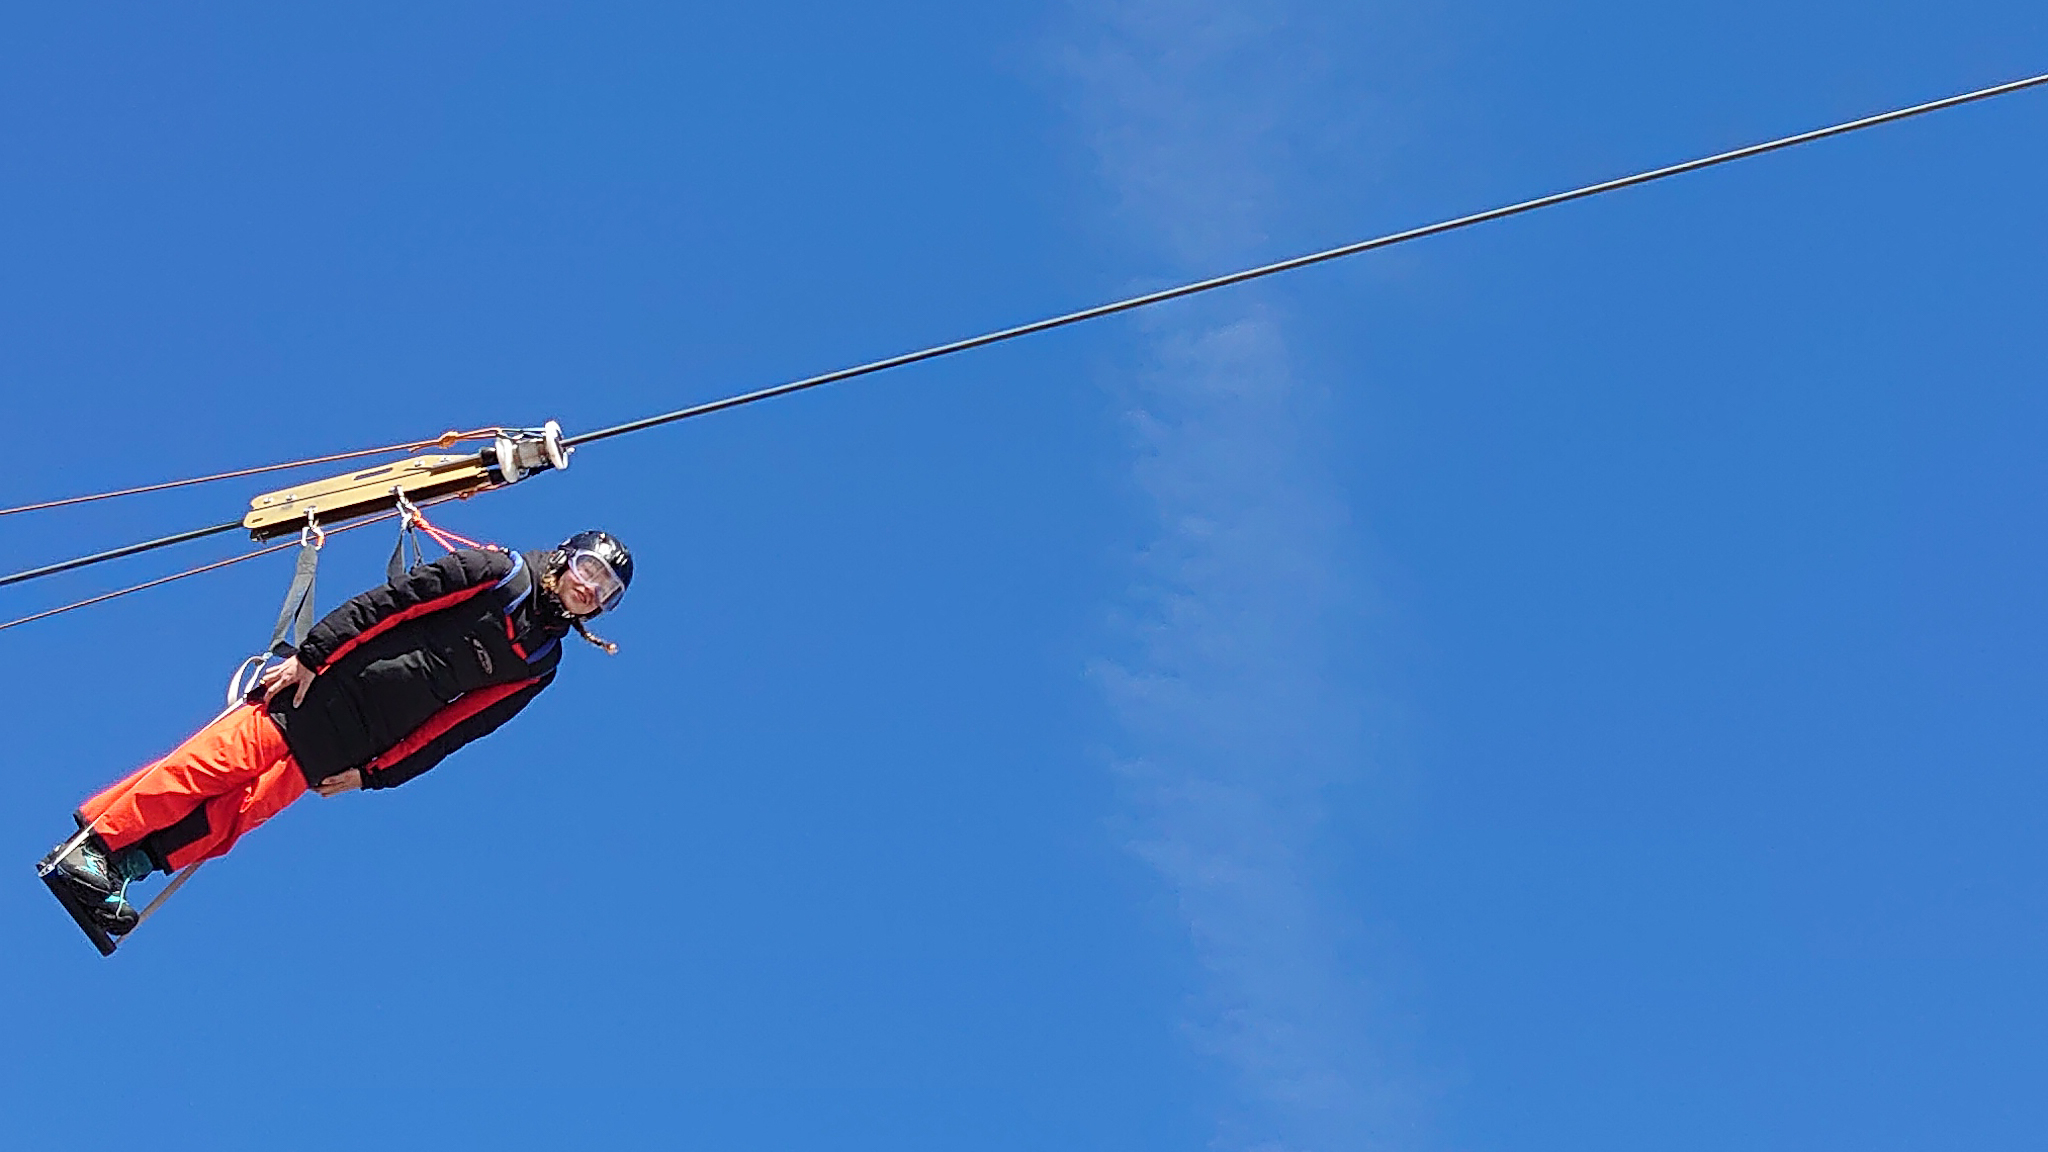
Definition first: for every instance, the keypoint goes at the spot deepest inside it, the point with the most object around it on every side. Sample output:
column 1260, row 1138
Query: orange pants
column 196, row 802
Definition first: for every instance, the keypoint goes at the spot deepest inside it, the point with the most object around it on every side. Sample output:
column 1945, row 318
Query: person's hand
column 289, row 674
column 348, row 781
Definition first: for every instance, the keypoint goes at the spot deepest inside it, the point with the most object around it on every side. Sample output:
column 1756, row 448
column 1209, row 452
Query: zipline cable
column 1175, row 293
column 445, row 440
column 1289, row 265
column 203, row 568
column 104, row 597
column 117, row 553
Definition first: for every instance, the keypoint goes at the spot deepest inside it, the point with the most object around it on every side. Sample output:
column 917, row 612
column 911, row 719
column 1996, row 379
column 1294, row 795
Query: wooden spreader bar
column 512, row 457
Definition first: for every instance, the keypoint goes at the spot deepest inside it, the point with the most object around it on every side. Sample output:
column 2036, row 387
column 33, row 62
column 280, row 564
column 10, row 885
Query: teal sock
column 130, row 863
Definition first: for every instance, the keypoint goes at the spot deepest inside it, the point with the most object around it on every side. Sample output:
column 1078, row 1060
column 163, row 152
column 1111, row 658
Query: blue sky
column 1572, row 684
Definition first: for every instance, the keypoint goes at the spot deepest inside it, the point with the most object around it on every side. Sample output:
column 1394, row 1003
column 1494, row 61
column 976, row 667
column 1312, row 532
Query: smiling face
column 578, row 598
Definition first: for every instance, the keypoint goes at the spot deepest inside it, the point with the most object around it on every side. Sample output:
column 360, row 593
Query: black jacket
column 411, row 671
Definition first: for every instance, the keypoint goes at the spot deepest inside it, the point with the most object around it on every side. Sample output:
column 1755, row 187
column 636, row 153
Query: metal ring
column 312, row 535
column 408, row 512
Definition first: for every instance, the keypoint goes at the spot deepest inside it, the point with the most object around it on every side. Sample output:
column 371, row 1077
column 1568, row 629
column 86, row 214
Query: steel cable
column 1124, row 305
column 117, row 553
column 201, row 569
column 1289, row 265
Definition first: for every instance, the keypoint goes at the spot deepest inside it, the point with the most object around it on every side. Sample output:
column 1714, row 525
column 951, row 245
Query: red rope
column 442, row 536
column 445, row 440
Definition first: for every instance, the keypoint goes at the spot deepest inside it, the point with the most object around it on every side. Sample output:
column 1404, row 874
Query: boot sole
column 82, row 914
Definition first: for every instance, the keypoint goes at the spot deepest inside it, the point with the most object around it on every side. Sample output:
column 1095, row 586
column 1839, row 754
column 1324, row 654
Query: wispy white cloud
column 1236, row 718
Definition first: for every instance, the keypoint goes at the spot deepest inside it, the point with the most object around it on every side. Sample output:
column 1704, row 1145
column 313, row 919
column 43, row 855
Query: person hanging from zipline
column 381, row 690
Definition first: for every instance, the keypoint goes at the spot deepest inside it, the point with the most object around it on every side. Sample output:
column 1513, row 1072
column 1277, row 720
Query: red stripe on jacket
column 437, row 725
column 401, row 616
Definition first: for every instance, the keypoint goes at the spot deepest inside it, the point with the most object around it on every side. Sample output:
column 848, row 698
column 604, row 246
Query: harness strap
column 295, row 618
column 396, row 568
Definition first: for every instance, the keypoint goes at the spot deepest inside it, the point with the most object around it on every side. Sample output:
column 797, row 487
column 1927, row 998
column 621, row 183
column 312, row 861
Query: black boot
column 116, row 916
column 84, row 871
column 90, row 880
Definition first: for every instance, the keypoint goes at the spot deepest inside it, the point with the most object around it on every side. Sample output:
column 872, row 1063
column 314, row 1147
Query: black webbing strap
column 396, row 568
column 295, row 619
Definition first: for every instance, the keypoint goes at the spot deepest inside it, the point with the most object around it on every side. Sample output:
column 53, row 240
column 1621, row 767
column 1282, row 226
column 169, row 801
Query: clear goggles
column 596, row 576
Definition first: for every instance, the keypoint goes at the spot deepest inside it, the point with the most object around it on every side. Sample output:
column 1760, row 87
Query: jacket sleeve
column 428, row 588
column 472, row 717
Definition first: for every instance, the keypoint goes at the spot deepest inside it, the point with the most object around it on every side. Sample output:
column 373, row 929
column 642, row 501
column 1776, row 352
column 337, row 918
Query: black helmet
column 607, row 548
